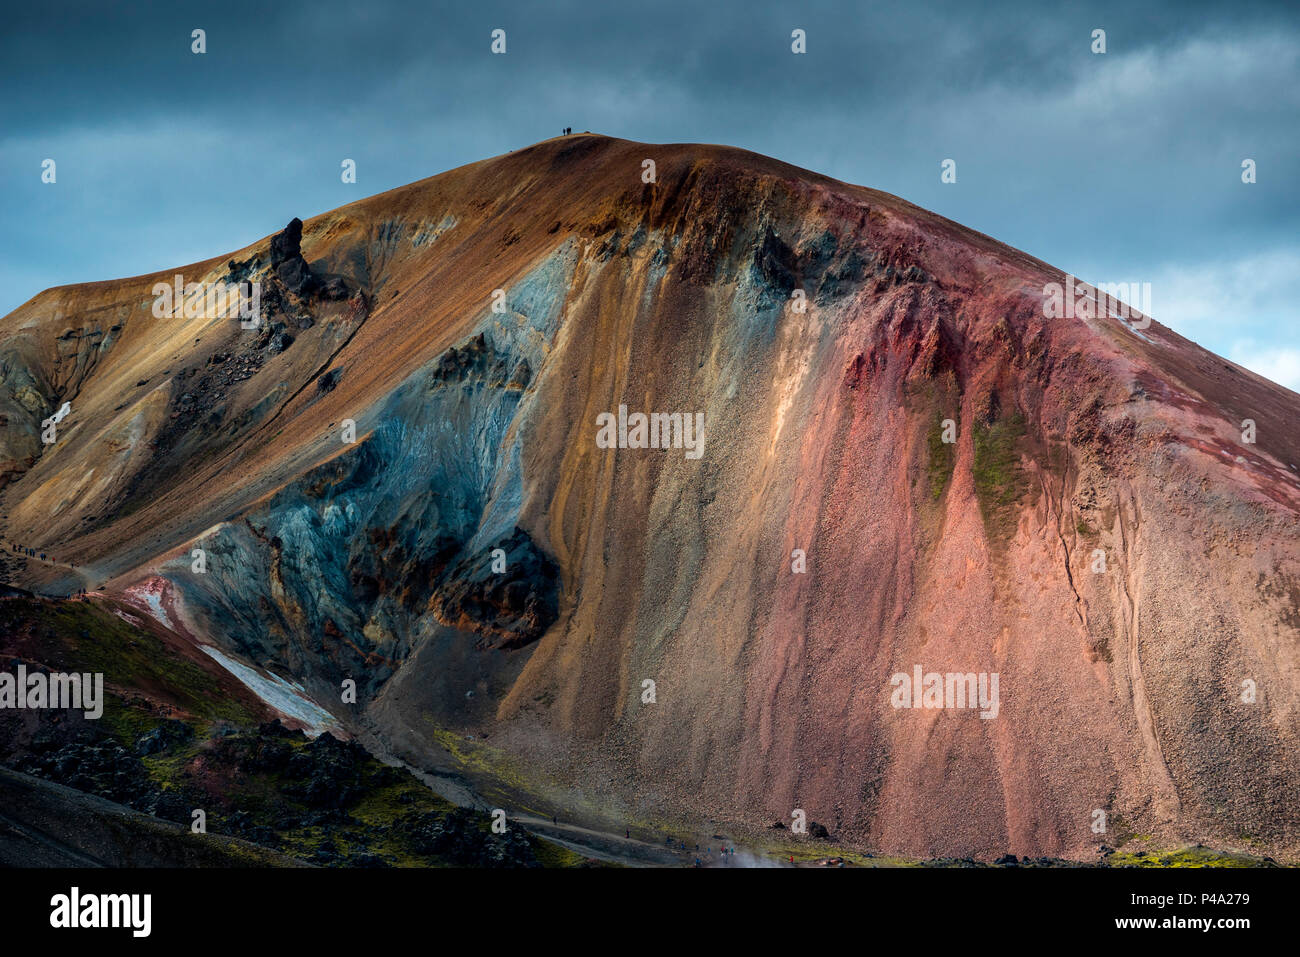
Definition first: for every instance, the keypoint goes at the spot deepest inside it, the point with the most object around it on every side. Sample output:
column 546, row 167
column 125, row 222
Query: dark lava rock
column 460, row 837
column 287, row 260
column 296, row 276
column 776, row 262
column 276, row 729
column 163, row 737
column 477, row 359
column 267, row 755
column 818, row 832
column 1007, row 860
column 101, row 767
column 329, row 772
column 335, row 289
column 287, row 244
column 242, row 824
column 237, row 271
column 508, row 609
column 328, row 381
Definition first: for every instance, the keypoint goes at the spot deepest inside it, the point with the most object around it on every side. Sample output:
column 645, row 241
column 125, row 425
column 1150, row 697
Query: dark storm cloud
column 1121, row 166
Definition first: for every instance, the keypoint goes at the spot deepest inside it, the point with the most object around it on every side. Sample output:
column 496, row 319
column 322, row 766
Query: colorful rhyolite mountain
column 399, row 477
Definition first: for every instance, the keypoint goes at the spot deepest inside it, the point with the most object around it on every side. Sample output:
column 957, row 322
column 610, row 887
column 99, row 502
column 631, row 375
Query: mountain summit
column 951, row 574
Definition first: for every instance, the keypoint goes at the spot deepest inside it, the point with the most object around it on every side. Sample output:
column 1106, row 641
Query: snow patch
column 288, row 698
column 154, row 601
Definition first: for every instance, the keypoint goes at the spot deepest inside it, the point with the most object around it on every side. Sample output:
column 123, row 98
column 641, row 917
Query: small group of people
column 723, row 854
column 29, row 552
column 567, row 131
column 705, row 857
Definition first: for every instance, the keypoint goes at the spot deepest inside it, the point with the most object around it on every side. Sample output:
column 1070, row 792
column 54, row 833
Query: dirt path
column 17, row 565
column 589, row 842
column 11, row 555
column 604, row 846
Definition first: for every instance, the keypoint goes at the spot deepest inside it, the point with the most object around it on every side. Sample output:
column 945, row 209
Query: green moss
column 999, row 479
column 1184, row 857
column 498, row 777
column 165, row 769
column 930, row 400
column 90, row 638
column 940, row 458
column 549, row 854
column 125, row 722
column 383, row 806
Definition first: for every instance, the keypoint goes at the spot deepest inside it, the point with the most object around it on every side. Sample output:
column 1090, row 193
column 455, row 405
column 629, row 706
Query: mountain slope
column 1120, row 689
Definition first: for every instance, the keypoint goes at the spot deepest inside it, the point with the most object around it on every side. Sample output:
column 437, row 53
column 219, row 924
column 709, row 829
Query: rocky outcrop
column 288, row 263
column 508, row 599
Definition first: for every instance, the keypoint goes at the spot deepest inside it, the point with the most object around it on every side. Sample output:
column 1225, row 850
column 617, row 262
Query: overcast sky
column 1122, row 166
